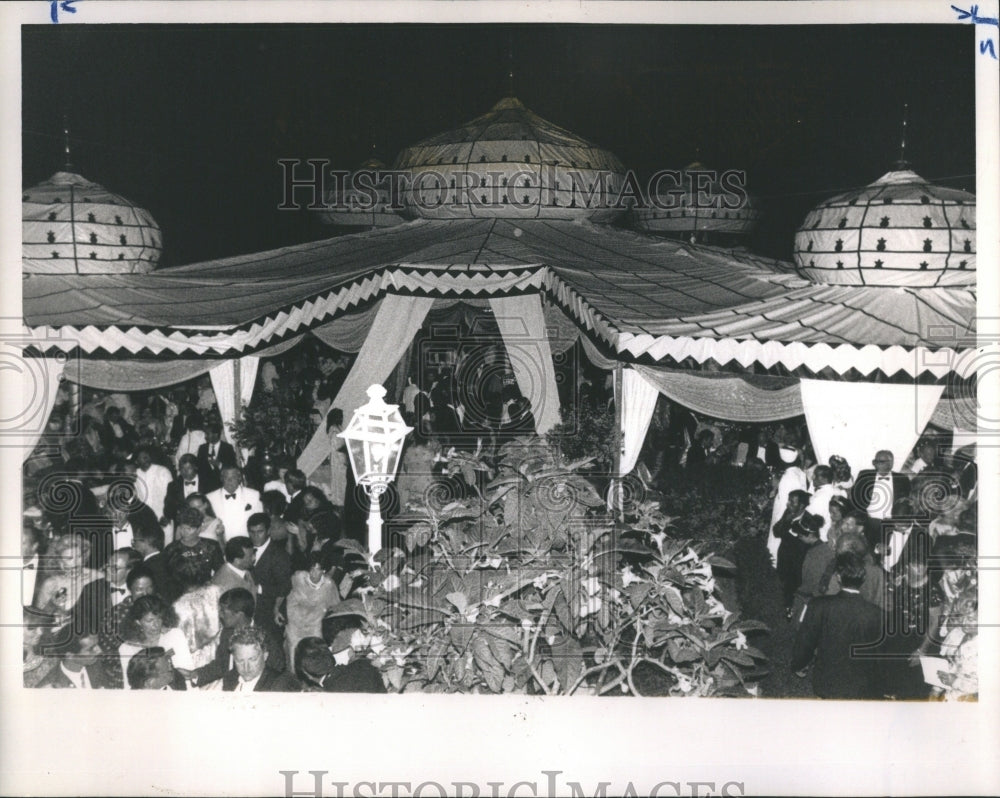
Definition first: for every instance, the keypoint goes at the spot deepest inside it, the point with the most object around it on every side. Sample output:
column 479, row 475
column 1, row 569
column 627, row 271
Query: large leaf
column 493, row 672
column 567, row 659
column 721, row 562
column 418, row 535
column 680, row 653
column 459, row 599
column 738, row 657
column 674, row 599
column 351, row 545
column 461, row 635
column 435, row 656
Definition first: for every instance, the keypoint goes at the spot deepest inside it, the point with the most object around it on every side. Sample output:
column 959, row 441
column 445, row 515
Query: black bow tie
column 883, row 476
column 230, row 495
column 30, row 565
column 192, row 482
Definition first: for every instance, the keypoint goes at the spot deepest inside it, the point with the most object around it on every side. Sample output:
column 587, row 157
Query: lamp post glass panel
column 374, row 439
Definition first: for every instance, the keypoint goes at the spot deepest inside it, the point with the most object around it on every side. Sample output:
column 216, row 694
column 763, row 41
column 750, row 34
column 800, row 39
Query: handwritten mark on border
column 972, row 15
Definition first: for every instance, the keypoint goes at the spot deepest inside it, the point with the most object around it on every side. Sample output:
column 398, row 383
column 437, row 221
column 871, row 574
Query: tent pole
column 616, row 483
column 237, row 401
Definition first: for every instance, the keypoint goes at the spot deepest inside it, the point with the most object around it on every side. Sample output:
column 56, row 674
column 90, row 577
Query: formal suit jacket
column 221, row 665
column 273, row 573
column 270, row 681
column 357, row 676
column 861, row 491
column 226, row 579
column 174, row 499
column 207, row 472
column 166, row 587
column 95, row 674
column 234, row 513
column 917, row 548
column 832, row 626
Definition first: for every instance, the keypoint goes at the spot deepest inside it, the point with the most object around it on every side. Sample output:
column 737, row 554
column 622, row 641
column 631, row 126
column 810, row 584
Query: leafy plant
column 527, row 586
column 273, row 418
column 587, row 430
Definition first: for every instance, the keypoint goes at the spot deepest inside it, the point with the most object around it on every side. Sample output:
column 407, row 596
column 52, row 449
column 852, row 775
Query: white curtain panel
column 396, row 323
column 522, row 326
column 857, row 419
column 638, row 403
column 223, row 378
column 27, row 398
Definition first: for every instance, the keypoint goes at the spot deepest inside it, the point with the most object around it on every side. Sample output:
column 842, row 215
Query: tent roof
column 642, row 296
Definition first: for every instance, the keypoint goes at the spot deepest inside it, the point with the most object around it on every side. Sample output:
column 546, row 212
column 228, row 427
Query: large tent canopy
column 637, row 298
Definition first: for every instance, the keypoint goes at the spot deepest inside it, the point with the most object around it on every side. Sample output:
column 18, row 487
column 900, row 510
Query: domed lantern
column 702, row 206
column 899, row 230
column 73, row 226
column 510, row 163
column 353, row 206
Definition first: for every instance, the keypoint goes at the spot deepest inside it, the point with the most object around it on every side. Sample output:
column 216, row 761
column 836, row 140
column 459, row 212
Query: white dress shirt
column 894, row 547
column 156, row 479
column 189, row 443
column 123, row 537
column 880, row 506
column 248, row 687
column 234, row 512
column 77, row 678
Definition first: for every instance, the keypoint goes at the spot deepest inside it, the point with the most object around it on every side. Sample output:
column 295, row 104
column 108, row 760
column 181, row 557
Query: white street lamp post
column 374, row 439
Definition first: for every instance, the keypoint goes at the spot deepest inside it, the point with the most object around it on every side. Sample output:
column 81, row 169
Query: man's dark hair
column 296, row 477
column 802, row 495
column 75, row 643
column 236, row 547
column 151, row 533
column 259, row 519
column 187, row 458
column 213, row 426
column 238, row 599
column 903, row 509
column 274, row 502
column 190, row 517
column 137, row 573
column 850, row 568
column 191, row 571
column 823, row 473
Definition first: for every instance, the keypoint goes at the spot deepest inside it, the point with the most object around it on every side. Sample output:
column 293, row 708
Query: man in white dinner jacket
column 234, row 503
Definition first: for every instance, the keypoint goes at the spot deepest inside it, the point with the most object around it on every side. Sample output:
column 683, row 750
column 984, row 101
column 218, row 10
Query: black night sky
column 190, row 121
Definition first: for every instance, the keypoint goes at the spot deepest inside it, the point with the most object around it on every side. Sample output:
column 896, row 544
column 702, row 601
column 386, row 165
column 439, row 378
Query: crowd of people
column 159, row 554
column 878, row 572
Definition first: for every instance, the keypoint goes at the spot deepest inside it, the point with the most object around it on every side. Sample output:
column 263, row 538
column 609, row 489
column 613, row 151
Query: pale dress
column 306, row 606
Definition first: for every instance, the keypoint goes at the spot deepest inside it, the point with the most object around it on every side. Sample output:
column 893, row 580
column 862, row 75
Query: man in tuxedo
column 187, row 482
column 272, row 570
column 904, row 540
column 127, row 513
column 236, row 610
column 251, row 673
column 79, row 665
column 823, row 491
column 213, row 456
column 117, row 431
column 149, row 541
column 234, row 503
column 236, row 571
column 833, row 631
column 876, row 490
